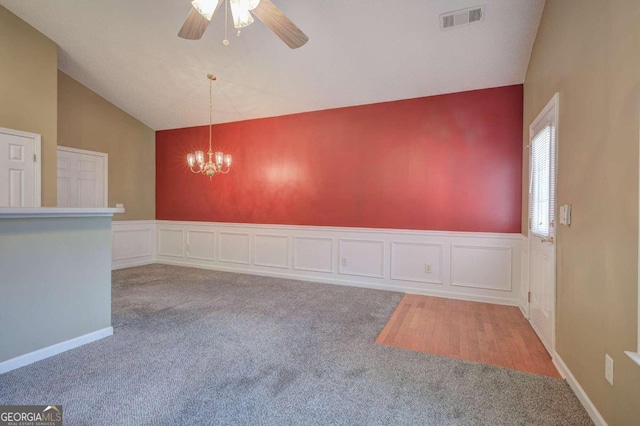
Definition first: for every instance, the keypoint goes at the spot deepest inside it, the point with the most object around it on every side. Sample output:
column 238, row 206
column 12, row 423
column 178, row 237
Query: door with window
column 82, row 178
column 542, row 207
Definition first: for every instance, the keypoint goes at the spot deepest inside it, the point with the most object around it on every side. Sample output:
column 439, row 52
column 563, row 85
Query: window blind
column 542, row 182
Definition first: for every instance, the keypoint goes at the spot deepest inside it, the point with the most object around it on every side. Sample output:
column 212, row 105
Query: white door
column 19, row 169
column 542, row 212
column 82, row 178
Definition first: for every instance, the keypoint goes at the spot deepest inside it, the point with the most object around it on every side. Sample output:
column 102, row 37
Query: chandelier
column 195, row 160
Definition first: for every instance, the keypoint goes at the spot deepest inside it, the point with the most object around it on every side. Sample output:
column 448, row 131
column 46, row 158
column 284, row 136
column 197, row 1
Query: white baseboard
column 346, row 282
column 523, row 310
column 130, row 263
column 577, row 389
column 49, row 351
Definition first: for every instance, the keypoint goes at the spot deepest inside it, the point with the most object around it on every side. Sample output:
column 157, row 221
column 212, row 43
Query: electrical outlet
column 345, row 262
column 427, row 268
column 608, row 369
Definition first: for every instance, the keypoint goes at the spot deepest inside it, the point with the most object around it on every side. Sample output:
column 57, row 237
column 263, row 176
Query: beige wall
column 28, row 100
column 589, row 52
column 35, row 97
column 87, row 121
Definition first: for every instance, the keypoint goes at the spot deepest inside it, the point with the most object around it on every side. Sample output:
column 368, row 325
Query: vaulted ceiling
column 360, row 52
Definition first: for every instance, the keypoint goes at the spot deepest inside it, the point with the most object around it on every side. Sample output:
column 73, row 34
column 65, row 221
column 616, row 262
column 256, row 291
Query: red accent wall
column 451, row 162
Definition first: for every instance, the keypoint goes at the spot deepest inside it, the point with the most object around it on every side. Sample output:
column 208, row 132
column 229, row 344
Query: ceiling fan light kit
column 206, row 8
column 242, row 12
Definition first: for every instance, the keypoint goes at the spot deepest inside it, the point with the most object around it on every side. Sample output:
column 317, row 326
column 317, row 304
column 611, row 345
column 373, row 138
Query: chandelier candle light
column 222, row 163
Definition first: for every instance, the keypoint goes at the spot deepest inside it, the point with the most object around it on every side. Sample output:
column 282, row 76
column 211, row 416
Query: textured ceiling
column 360, row 52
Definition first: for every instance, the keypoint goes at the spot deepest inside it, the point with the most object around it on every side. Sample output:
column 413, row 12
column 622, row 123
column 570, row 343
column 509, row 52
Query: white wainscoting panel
column 170, row 242
column 484, row 267
column 362, row 258
column 313, row 254
column 417, row 262
column 271, row 251
column 234, row 247
column 133, row 243
column 200, row 244
column 481, row 267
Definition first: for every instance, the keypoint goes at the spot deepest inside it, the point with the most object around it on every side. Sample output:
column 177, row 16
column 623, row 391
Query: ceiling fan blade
column 282, row 26
column 194, row 26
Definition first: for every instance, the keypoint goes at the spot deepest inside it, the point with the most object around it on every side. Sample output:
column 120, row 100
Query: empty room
column 281, row 212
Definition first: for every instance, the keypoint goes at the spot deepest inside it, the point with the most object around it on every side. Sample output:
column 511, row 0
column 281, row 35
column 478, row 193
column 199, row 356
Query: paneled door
column 542, row 212
column 19, row 169
column 82, row 178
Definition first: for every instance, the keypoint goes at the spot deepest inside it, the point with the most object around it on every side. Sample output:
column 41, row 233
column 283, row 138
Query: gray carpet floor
column 197, row 347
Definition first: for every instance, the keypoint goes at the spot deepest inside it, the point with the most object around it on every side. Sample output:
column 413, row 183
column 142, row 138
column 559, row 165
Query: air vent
column 461, row 17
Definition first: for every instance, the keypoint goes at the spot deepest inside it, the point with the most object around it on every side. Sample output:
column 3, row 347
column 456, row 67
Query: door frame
column 103, row 155
column 554, row 102
column 37, row 149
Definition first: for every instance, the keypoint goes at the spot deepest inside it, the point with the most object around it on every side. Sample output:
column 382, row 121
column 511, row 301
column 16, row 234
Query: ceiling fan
column 202, row 11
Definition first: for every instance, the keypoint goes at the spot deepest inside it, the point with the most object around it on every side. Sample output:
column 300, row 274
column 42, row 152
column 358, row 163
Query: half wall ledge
column 33, row 212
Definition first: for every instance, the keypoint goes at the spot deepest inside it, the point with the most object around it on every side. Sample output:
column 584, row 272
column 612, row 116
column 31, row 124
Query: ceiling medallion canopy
column 217, row 162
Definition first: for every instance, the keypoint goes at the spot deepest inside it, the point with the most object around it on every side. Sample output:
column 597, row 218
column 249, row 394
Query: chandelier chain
column 210, row 107
column 216, row 162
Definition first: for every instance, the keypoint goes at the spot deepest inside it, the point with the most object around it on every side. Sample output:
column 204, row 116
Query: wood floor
column 480, row 332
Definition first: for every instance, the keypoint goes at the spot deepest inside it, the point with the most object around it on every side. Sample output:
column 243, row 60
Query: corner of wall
column 586, row 402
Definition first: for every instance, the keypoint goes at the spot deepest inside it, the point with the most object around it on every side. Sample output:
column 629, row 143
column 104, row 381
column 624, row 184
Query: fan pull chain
column 226, row 22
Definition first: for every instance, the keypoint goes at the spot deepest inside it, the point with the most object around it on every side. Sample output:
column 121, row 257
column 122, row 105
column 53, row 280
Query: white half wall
column 133, row 243
column 462, row 265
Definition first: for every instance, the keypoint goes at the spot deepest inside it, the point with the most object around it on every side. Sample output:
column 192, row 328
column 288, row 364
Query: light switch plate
column 608, row 369
column 565, row 215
